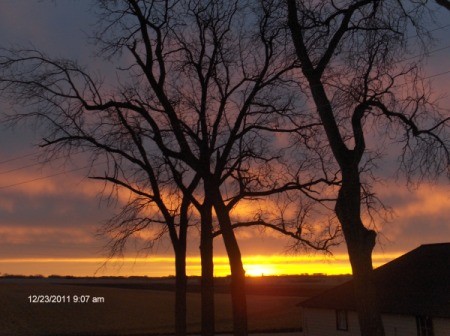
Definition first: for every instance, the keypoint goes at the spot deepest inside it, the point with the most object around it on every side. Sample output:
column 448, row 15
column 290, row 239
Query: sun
column 259, row 270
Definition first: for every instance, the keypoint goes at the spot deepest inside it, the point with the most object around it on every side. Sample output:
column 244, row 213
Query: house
column 413, row 292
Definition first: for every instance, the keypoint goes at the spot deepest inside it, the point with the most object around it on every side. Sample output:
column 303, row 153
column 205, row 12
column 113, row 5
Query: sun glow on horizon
column 260, row 270
column 160, row 266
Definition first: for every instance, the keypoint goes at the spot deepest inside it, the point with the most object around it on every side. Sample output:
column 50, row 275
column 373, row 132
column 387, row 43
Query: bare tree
column 166, row 208
column 214, row 80
column 57, row 93
column 204, row 87
column 235, row 75
column 351, row 55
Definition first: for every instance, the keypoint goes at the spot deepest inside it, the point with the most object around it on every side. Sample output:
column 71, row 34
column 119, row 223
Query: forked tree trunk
column 360, row 243
column 238, row 291
column 207, row 278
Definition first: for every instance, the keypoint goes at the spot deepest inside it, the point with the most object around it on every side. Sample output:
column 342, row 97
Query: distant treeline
column 314, row 276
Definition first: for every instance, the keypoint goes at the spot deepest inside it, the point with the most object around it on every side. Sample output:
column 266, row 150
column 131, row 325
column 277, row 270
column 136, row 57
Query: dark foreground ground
column 143, row 306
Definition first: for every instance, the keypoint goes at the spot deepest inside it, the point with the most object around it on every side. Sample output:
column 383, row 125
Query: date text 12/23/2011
column 65, row 299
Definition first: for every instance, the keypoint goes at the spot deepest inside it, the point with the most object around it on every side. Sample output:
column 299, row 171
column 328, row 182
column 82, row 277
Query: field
column 129, row 308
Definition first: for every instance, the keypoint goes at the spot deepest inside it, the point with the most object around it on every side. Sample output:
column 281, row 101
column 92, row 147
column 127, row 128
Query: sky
column 50, row 215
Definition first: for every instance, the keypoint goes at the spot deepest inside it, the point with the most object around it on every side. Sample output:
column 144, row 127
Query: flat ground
column 126, row 311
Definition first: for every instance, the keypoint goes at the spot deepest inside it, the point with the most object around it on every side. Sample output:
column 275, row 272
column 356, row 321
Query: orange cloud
column 426, row 200
column 31, row 235
column 38, row 183
column 427, row 205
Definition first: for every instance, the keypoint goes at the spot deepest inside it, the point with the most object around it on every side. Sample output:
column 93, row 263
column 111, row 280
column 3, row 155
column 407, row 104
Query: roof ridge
column 434, row 244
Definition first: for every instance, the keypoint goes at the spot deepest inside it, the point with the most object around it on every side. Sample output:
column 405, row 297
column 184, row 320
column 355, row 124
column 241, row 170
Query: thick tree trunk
column 360, row 243
column 207, row 278
column 180, row 291
column 238, row 296
column 238, row 292
column 365, row 294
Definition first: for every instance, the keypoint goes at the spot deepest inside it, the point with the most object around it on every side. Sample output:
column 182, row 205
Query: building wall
column 441, row 326
column 399, row 325
column 322, row 322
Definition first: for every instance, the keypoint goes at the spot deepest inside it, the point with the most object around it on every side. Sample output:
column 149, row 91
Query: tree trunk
column 369, row 315
column 238, row 292
column 180, row 291
column 207, row 278
column 238, row 297
column 360, row 243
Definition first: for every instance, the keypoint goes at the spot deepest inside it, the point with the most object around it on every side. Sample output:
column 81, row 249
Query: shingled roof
column 417, row 283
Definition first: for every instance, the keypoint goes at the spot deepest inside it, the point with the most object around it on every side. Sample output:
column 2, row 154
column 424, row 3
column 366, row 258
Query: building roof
column 417, row 283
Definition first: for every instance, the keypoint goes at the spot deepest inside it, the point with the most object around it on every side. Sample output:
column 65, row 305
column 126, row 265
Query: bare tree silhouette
column 203, row 87
column 351, row 57
column 113, row 136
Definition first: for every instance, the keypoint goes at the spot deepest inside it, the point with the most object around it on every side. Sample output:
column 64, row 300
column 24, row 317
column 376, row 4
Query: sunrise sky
column 49, row 215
